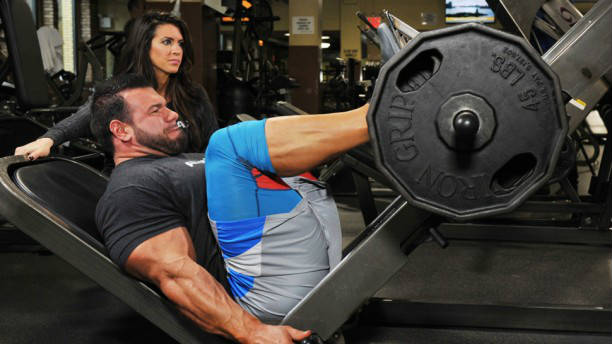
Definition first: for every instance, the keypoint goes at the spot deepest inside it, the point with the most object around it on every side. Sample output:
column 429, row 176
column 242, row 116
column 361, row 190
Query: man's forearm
column 202, row 299
column 167, row 260
column 198, row 295
column 299, row 143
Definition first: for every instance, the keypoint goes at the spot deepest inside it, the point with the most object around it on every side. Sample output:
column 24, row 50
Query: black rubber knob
column 466, row 125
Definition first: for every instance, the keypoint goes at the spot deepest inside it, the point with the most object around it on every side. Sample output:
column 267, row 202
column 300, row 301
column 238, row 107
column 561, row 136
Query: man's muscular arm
column 299, row 143
column 167, row 260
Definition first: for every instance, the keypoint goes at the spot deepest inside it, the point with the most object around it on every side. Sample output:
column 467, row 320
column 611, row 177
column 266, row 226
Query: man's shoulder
column 179, row 166
column 155, row 166
column 135, row 171
column 156, row 173
column 143, row 177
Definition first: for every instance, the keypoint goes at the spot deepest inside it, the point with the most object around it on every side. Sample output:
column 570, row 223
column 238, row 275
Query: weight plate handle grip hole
column 513, row 173
column 418, row 71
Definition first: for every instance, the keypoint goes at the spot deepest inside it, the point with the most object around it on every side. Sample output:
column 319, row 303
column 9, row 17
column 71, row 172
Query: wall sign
column 303, row 25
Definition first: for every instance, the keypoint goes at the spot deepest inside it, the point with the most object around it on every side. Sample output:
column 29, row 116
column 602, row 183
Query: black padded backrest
column 17, row 131
column 68, row 189
column 24, row 54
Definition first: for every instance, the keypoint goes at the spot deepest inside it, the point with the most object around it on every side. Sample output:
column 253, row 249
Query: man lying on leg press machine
column 460, row 149
column 278, row 237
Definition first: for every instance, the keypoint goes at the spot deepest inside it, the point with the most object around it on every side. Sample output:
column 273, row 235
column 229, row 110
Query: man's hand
column 276, row 334
column 35, row 149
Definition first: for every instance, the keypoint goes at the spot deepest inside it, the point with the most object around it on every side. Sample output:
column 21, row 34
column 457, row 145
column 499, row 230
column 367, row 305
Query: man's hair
column 108, row 105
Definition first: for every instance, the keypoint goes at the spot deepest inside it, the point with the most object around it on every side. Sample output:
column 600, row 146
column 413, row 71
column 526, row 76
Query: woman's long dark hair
column 186, row 96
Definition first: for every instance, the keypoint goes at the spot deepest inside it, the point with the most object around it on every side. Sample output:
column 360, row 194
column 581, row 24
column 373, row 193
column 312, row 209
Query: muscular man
column 277, row 236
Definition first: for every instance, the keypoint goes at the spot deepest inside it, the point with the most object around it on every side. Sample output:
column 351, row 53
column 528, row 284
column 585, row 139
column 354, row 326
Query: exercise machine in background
column 251, row 81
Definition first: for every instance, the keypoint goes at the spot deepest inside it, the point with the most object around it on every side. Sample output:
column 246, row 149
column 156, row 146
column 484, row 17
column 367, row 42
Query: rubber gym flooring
column 45, row 300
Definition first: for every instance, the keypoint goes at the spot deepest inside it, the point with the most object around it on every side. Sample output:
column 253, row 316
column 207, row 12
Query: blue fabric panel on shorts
column 277, row 201
column 231, row 189
column 239, row 283
column 249, row 141
column 236, row 237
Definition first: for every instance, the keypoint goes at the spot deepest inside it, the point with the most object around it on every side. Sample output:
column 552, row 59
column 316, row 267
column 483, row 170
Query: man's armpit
column 156, row 257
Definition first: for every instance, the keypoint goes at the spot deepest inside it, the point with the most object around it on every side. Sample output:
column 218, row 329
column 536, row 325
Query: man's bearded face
column 163, row 142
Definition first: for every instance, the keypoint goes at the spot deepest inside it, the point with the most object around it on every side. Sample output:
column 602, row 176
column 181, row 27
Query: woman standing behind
column 159, row 48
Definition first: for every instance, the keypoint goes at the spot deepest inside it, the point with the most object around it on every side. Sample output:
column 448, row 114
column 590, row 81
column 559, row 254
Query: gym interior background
column 540, row 273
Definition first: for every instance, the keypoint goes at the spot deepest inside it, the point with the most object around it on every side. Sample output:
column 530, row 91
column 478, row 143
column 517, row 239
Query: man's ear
column 120, row 130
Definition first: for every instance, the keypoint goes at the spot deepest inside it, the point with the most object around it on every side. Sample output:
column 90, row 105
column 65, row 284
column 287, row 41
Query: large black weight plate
column 490, row 74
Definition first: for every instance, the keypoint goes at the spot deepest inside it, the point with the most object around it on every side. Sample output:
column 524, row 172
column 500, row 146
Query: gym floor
column 45, row 300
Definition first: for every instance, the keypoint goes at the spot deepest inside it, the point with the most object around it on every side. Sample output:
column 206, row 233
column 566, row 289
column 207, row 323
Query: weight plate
column 467, row 121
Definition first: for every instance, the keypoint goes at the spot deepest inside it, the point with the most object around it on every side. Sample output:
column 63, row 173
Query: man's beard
column 162, row 143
